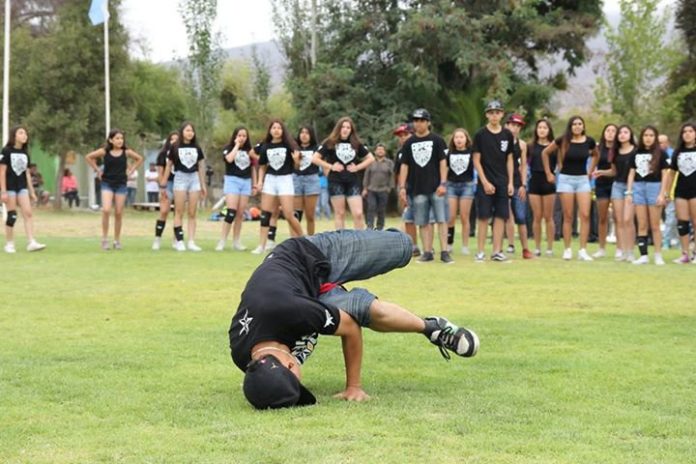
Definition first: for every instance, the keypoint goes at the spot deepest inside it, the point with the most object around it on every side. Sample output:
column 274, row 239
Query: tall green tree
column 378, row 59
column 682, row 78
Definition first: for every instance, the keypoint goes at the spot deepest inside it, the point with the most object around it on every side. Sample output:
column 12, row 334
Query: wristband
column 628, row 193
column 443, row 184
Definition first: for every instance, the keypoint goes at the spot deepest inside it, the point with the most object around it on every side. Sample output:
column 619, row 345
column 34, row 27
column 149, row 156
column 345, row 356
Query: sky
column 158, row 33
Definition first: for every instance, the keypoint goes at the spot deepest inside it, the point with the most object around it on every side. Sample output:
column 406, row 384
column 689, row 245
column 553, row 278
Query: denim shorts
column 360, row 255
column 344, row 188
column 116, row 189
column 306, row 185
column 278, row 185
column 519, row 208
column 425, row 205
column 187, row 182
column 618, row 191
column 461, row 189
column 646, row 193
column 17, row 193
column 237, row 186
column 170, row 189
column 573, row 184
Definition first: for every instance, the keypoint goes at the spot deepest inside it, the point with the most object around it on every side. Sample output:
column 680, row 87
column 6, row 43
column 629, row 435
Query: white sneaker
column 270, row 245
column 220, row 245
column 35, row 246
column 583, row 256
column 549, row 253
column 192, row 246
column 175, row 244
column 179, row 246
column 10, row 248
column 619, row 256
column 465, row 251
column 567, row 254
column 537, row 252
column 238, row 246
column 599, row 253
column 629, row 257
column 257, row 251
column 642, row 260
column 156, row 244
column 659, row 261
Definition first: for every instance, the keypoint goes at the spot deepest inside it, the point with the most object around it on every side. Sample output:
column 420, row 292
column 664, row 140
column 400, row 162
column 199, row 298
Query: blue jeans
column 323, row 205
column 359, row 255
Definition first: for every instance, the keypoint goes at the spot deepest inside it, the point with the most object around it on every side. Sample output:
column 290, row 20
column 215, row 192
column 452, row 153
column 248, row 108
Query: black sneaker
column 446, row 258
column 416, row 252
column 448, row 336
column 426, row 256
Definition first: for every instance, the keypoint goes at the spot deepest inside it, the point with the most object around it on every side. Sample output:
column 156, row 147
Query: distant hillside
column 269, row 52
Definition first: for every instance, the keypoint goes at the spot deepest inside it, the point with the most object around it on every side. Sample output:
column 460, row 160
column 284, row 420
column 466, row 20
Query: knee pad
column 11, row 218
column 230, row 215
column 298, row 214
column 265, row 218
column 682, row 228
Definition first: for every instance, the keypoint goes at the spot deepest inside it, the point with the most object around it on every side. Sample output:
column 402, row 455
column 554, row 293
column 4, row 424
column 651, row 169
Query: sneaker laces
column 447, row 336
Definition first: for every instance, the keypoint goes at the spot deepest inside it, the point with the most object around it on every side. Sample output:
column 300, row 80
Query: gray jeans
column 360, row 255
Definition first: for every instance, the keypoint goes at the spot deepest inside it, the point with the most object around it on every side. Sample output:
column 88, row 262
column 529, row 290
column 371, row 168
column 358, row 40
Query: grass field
column 110, row 357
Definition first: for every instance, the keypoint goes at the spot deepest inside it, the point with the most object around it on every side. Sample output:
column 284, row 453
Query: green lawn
column 123, row 357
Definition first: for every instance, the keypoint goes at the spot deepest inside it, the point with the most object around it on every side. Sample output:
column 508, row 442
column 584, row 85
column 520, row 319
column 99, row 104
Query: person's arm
column 368, row 160
column 352, row 343
column 132, row 154
column 165, row 178
column 262, row 174
column 229, row 157
column 318, row 159
column 403, row 175
column 663, row 196
column 522, row 193
column 30, row 187
column 510, row 171
column 201, row 177
column 253, row 181
column 488, row 188
column 545, row 154
column 296, row 158
column 91, row 159
column 3, row 183
column 442, row 188
column 629, row 184
column 366, row 180
column 594, row 162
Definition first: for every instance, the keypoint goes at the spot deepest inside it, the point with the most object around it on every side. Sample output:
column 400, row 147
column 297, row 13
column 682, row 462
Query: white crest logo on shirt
column 245, row 321
column 306, row 160
column 242, row 160
column 459, row 163
column 504, row 145
column 422, row 152
column 687, row 163
column 345, row 152
column 188, row 156
column 19, row 163
column 276, row 157
column 643, row 163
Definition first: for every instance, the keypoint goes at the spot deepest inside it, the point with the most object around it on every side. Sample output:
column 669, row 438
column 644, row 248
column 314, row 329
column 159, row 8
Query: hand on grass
column 352, row 394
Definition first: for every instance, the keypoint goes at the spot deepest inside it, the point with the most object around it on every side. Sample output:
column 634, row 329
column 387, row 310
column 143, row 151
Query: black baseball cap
column 269, row 384
column 494, row 105
column 420, row 113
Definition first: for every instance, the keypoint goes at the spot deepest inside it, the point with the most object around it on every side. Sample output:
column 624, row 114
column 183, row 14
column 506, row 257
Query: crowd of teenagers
column 495, row 172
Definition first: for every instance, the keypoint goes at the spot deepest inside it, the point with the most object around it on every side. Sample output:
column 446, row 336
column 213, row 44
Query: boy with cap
column 518, row 202
column 424, row 168
column 297, row 293
column 493, row 147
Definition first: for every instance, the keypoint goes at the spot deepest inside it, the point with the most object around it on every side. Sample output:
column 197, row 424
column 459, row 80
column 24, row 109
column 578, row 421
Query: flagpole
column 107, row 78
column 6, row 77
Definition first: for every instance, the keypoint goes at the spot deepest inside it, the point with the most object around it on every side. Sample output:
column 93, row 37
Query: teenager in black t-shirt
column 297, row 294
column 575, row 150
column 166, row 197
column 518, row 202
column 188, row 160
column 16, row 188
column 461, row 185
column 493, row 145
column 621, row 157
column 113, row 178
column 542, row 193
column 240, row 183
column 647, row 189
column 278, row 158
column 403, row 133
column 306, row 179
column 604, row 179
column 684, row 166
column 424, row 168
column 344, row 155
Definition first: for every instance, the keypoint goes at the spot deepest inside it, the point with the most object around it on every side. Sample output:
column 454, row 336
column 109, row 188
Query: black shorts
column 603, row 190
column 685, row 193
column 538, row 185
column 344, row 188
column 488, row 206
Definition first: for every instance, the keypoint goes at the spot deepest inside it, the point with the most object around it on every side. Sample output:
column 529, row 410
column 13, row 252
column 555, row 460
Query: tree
column 204, row 62
column 379, row 59
column 638, row 60
column 682, row 78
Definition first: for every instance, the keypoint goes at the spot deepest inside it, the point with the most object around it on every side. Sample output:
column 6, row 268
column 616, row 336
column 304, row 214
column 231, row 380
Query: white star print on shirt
column 245, row 321
column 329, row 319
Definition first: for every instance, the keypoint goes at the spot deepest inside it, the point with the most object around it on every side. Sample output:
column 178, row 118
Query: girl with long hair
column 542, row 193
column 187, row 159
column 604, row 179
column 16, row 188
column 167, row 192
column 647, row 189
column 344, row 155
column 620, row 158
column 460, row 185
column 278, row 157
column 574, row 149
column 240, row 183
column 684, row 165
column 113, row 177
column 306, row 179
